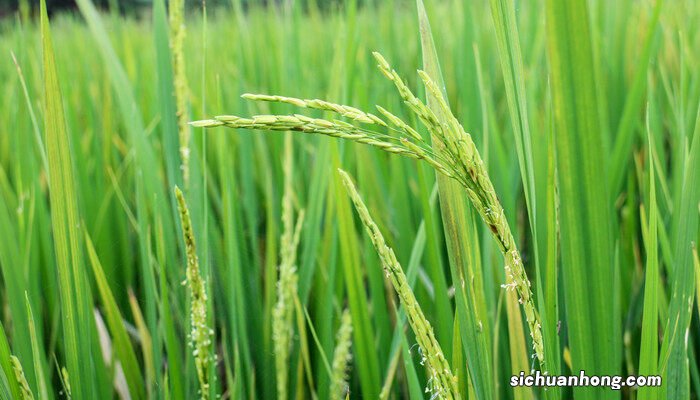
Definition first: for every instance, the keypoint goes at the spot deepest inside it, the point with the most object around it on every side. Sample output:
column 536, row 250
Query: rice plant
column 461, row 161
column 530, row 199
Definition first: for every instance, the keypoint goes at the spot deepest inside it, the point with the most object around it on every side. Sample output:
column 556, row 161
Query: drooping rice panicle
column 442, row 383
column 305, row 124
column 283, row 313
column 346, row 111
column 342, row 355
column 483, row 195
column 200, row 333
column 460, row 160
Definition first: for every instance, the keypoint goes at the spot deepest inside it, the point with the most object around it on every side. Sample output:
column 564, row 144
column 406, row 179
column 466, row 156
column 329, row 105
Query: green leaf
column 675, row 345
column 366, row 359
column 8, row 384
column 77, row 323
column 122, row 344
column 593, row 321
column 149, row 192
column 42, row 391
column 649, row 346
column 633, row 101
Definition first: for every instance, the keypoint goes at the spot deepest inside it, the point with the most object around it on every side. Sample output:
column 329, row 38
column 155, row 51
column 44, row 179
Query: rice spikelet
column 442, row 383
column 25, row 390
column 336, row 129
column 346, row 111
column 341, row 358
column 200, row 333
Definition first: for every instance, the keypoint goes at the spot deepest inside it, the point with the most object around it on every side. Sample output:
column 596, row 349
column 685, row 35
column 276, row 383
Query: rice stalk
column 460, row 160
column 25, row 391
column 200, row 333
column 442, row 383
column 342, row 355
column 283, row 313
column 177, row 38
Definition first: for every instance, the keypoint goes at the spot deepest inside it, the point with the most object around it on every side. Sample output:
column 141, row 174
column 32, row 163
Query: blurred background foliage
column 135, row 7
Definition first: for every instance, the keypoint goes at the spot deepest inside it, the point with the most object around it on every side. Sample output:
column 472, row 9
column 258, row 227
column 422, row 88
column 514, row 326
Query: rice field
column 390, row 200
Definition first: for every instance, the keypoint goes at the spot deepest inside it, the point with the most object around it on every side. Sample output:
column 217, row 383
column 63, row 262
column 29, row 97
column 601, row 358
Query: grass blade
column 593, row 322
column 624, row 136
column 77, row 325
column 8, row 384
column 42, row 390
column 122, row 344
column 649, row 347
column 364, row 336
column 676, row 378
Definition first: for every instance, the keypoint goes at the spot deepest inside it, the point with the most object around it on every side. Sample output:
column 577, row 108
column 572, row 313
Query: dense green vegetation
column 586, row 115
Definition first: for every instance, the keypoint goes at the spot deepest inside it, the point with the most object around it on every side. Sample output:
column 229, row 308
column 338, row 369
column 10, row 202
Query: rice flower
column 341, row 358
column 200, row 333
column 442, row 383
